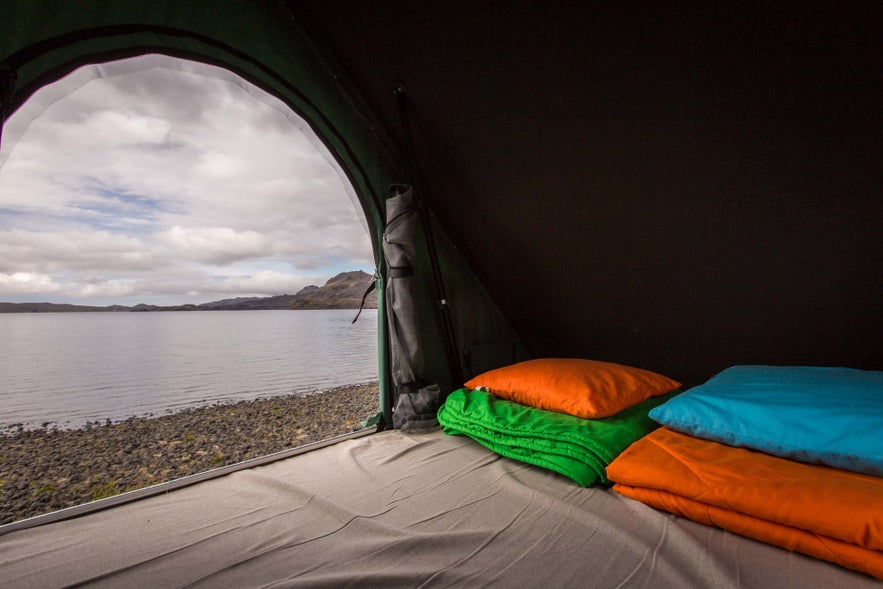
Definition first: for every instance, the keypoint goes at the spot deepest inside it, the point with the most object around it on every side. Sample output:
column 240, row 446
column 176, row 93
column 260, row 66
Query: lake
column 70, row 368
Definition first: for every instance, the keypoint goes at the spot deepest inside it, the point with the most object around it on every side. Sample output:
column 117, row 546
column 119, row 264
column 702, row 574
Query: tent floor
column 399, row 510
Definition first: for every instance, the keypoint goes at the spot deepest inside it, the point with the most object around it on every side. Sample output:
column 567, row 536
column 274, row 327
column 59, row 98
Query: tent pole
column 400, row 91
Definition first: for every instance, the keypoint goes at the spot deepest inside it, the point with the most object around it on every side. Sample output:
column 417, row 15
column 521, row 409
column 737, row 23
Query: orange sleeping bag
column 827, row 513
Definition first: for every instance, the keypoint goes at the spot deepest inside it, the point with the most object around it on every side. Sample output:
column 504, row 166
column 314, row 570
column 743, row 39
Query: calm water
column 70, row 368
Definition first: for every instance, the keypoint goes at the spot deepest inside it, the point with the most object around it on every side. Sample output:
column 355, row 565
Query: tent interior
column 677, row 188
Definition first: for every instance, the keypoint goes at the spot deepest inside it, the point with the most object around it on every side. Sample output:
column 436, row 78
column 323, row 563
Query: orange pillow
column 584, row 388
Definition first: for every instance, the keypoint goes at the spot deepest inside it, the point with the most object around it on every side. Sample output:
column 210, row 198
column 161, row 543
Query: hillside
column 343, row 291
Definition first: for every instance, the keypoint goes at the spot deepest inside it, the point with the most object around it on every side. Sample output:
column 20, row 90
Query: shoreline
column 46, row 469
column 20, row 428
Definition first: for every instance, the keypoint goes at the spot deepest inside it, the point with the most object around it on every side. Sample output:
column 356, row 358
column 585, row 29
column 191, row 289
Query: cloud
column 215, row 245
column 107, row 129
column 27, row 282
column 262, row 283
column 152, row 182
column 104, row 289
column 93, row 251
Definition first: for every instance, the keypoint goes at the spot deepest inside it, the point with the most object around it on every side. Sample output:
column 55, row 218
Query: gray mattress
column 398, row 510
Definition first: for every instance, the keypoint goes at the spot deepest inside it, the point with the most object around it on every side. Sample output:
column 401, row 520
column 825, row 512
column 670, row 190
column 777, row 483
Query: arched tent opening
column 161, row 181
column 257, row 46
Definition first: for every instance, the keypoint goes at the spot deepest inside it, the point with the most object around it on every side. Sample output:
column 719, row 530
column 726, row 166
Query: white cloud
column 94, row 251
column 104, row 129
column 27, row 283
column 158, row 182
column 103, row 289
column 215, row 245
column 221, row 166
column 265, row 282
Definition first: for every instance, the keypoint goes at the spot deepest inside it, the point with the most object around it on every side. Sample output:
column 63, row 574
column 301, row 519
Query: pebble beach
column 42, row 470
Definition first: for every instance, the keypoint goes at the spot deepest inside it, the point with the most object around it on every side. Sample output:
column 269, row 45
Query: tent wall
column 679, row 187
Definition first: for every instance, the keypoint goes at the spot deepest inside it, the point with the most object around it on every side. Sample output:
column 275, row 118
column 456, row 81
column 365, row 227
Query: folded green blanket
column 577, row 448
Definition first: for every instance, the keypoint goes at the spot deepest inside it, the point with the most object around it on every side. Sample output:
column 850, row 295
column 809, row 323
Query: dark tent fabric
column 680, row 188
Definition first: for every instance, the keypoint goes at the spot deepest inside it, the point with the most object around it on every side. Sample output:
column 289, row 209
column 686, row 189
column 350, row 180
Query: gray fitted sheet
column 398, row 509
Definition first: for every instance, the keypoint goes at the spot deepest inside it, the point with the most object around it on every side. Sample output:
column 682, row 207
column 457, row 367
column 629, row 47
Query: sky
column 167, row 187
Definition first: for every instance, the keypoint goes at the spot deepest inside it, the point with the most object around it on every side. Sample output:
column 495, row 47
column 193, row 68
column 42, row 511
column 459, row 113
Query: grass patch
column 105, row 490
column 45, row 490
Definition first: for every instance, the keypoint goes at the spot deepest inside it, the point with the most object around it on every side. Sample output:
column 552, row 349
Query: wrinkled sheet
column 398, row 509
column 821, row 511
column 575, row 447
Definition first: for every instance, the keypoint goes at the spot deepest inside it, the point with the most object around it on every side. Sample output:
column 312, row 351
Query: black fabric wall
column 675, row 189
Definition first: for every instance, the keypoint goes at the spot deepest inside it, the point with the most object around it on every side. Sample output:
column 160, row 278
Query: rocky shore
column 47, row 469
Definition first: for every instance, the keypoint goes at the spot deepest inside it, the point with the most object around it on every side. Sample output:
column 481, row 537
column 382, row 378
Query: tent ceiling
column 674, row 189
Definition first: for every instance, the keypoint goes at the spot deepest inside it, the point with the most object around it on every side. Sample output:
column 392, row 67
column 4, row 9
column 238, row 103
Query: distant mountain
column 226, row 303
column 344, row 291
